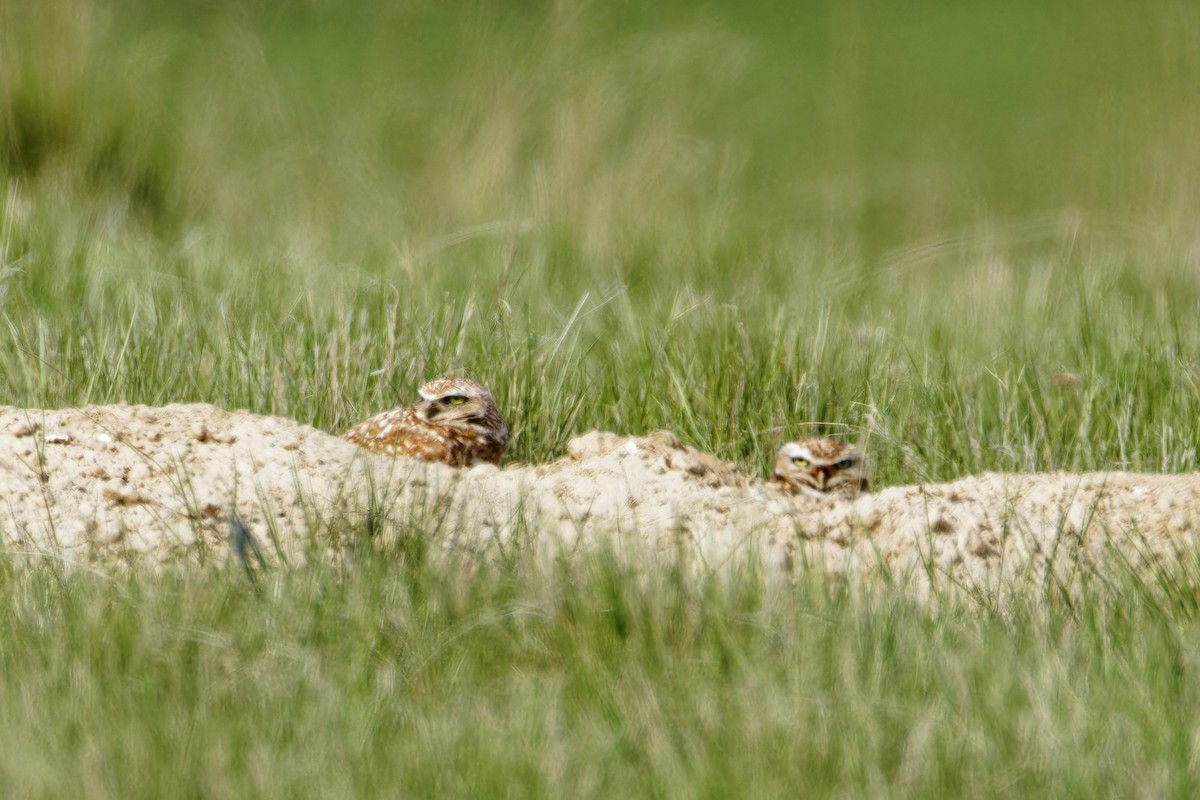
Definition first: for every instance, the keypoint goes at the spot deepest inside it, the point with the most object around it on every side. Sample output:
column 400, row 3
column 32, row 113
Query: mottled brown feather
column 456, row 422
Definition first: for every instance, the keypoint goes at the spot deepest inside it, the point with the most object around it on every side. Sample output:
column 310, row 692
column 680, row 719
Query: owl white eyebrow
column 793, row 450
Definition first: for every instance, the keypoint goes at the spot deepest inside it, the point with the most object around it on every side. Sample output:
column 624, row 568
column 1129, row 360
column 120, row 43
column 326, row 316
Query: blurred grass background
column 963, row 235
column 739, row 223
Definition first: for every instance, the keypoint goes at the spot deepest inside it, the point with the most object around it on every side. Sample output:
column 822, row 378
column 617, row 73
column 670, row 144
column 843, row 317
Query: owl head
column 460, row 403
column 821, row 465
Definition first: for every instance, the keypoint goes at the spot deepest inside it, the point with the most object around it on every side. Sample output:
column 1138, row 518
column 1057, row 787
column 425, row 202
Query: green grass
column 399, row 678
column 962, row 236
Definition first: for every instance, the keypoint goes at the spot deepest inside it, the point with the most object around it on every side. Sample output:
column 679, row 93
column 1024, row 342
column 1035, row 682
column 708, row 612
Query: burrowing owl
column 456, row 422
column 821, row 465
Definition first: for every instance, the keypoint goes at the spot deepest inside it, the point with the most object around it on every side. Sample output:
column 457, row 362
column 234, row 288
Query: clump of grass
column 382, row 674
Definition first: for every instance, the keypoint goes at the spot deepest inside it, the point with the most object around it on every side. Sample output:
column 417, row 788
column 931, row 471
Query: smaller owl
column 821, row 466
column 456, row 422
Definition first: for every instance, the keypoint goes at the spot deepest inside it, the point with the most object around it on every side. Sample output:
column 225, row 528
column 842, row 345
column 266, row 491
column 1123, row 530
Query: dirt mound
column 106, row 480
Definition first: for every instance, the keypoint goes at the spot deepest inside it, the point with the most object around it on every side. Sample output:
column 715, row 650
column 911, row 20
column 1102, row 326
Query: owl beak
column 823, row 474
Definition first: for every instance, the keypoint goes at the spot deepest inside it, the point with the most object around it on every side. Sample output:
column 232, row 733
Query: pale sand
column 110, row 481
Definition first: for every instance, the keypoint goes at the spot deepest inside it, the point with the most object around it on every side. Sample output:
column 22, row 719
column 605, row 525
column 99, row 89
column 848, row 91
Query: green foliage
column 738, row 227
column 387, row 676
column 963, row 236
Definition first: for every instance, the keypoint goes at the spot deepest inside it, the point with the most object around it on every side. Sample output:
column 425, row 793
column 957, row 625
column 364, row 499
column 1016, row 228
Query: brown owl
column 820, row 466
column 456, row 422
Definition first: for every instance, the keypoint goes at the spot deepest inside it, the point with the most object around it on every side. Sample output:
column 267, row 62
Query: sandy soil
column 109, row 481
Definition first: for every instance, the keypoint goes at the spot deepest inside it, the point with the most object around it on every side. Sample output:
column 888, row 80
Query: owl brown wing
column 402, row 433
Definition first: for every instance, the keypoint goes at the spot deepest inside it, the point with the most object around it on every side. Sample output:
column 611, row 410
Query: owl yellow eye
column 456, row 399
column 800, row 461
column 845, row 463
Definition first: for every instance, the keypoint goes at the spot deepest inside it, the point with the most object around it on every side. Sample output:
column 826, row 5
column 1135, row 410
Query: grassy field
column 963, row 237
